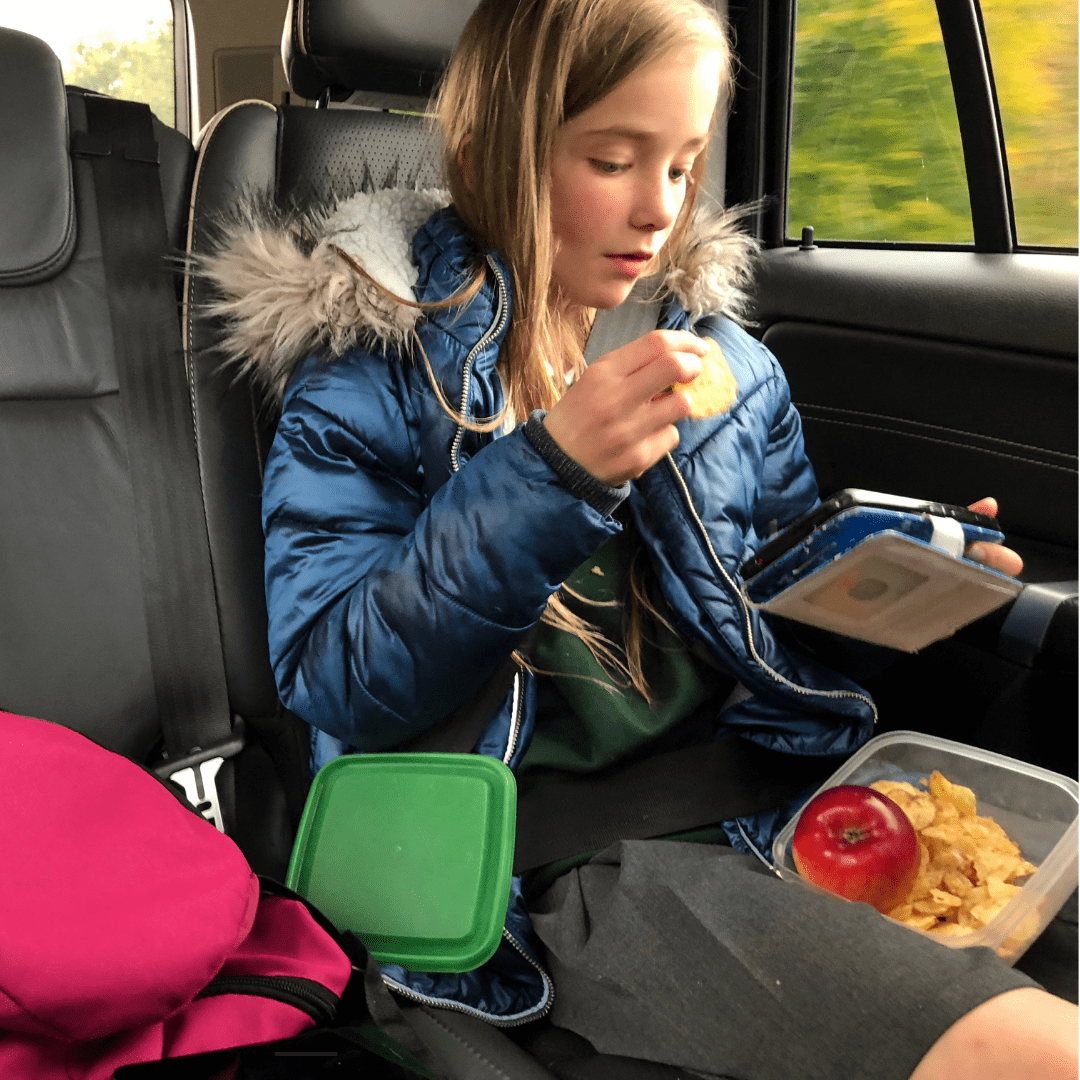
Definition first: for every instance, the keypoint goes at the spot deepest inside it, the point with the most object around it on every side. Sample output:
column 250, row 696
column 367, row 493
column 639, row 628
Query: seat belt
column 658, row 796
column 460, row 732
column 177, row 574
column 615, row 327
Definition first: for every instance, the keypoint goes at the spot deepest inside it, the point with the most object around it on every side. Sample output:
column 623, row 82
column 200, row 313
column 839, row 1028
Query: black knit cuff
column 578, row 480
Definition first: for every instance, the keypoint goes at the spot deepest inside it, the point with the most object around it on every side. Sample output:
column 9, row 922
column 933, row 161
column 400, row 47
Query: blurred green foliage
column 876, row 152
column 1033, row 49
column 135, row 70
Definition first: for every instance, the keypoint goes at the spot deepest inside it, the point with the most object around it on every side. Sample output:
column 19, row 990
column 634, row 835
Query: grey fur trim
column 717, row 269
column 283, row 286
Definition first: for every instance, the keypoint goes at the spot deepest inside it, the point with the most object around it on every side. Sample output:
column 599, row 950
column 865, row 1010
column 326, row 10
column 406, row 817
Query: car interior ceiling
column 74, row 648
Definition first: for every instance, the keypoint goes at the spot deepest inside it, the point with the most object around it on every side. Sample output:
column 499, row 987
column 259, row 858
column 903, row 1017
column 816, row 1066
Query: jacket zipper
column 515, row 719
column 497, row 324
column 745, row 606
column 493, row 331
column 312, row 997
column 495, row 1021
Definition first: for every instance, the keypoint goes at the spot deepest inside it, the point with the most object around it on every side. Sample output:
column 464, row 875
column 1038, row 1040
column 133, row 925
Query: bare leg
column 1024, row 1034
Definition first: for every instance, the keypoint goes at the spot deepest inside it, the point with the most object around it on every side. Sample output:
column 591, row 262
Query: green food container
column 412, row 853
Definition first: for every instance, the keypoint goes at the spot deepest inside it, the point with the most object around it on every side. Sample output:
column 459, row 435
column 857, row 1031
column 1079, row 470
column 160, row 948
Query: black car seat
column 79, row 598
column 70, row 646
column 73, row 622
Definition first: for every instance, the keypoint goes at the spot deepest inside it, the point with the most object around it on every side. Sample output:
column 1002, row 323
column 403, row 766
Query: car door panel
column 940, row 375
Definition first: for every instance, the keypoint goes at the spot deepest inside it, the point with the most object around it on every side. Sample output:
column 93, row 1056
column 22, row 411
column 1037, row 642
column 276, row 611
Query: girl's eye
column 609, row 168
column 677, row 174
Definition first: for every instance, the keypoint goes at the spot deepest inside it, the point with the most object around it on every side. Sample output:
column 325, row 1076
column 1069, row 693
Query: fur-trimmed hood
column 330, row 279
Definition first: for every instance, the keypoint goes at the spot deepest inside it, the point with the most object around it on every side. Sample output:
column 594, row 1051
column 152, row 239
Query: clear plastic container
column 1036, row 807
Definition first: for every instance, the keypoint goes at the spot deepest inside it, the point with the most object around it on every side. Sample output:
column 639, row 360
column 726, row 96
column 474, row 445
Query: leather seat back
column 72, row 625
column 296, row 157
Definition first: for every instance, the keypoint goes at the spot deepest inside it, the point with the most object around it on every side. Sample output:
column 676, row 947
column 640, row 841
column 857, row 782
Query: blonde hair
column 520, row 70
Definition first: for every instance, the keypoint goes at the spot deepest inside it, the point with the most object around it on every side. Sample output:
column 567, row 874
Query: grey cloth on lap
column 696, row 956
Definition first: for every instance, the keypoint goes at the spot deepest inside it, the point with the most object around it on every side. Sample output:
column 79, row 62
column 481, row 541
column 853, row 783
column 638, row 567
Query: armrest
column 1027, row 631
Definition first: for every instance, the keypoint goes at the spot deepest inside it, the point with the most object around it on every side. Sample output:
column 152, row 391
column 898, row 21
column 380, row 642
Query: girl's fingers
column 667, row 408
column 645, row 364
column 656, row 377
column 618, row 419
column 987, row 506
column 996, row 557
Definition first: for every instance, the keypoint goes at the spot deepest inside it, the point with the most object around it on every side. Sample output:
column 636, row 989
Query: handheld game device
column 881, row 568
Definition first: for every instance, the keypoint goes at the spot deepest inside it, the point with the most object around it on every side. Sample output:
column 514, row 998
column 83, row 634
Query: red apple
column 859, row 844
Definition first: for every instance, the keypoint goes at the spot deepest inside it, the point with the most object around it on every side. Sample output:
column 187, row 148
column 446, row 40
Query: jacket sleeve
column 387, row 611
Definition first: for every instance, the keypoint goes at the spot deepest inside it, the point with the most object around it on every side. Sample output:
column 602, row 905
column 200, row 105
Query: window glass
column 1033, row 53
column 121, row 47
column 875, row 150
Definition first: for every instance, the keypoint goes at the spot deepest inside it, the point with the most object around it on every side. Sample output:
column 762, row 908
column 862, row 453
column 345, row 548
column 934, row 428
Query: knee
column 1024, row 1034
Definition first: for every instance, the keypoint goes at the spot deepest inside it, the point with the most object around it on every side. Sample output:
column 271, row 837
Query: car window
column 1033, row 49
column 123, row 48
column 876, row 153
column 875, row 147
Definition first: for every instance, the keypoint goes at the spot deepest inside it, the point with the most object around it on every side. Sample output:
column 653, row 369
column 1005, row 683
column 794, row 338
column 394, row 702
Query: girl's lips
column 629, row 265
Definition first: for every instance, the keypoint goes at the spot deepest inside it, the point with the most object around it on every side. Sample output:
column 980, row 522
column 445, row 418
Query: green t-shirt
column 588, row 719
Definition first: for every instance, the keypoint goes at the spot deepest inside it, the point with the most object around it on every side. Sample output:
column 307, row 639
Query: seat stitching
column 944, row 442
column 933, row 427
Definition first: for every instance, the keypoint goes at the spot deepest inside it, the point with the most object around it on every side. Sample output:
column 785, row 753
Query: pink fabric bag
column 130, row 928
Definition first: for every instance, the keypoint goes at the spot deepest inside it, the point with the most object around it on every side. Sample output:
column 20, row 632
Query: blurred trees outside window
column 123, row 48
column 875, row 151
column 140, row 70
column 1033, row 50
column 875, row 147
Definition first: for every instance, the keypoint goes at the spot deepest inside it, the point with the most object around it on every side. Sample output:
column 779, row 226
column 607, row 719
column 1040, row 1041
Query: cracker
column 714, row 391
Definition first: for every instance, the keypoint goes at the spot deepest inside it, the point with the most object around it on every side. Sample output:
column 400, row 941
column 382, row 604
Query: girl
column 448, row 476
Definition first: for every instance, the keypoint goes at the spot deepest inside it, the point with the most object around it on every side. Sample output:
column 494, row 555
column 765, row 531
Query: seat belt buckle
column 196, row 774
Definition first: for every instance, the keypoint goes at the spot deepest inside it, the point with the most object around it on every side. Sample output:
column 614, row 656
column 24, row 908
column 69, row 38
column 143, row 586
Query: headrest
column 37, row 201
column 392, row 46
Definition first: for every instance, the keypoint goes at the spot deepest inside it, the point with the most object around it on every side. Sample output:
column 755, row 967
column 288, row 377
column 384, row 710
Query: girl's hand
column 993, row 555
column 617, row 420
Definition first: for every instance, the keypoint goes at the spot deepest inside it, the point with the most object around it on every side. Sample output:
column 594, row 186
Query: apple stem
column 853, row 834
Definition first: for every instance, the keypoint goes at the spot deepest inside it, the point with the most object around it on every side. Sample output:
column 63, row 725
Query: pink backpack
column 131, row 929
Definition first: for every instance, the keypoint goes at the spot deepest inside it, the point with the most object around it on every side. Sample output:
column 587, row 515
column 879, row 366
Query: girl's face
column 620, row 170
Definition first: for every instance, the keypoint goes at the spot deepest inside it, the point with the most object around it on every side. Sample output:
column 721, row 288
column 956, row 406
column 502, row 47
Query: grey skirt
column 697, row 956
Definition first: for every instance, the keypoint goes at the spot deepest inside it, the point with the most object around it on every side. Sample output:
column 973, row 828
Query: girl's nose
column 658, row 203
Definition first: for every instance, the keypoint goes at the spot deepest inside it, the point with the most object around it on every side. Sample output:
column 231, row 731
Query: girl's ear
column 465, row 163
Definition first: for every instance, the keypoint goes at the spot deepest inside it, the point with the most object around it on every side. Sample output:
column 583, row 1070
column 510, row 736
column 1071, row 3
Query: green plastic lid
column 412, row 853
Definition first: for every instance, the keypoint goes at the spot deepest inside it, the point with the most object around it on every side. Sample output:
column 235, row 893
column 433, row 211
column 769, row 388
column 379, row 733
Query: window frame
column 981, row 134
column 181, row 68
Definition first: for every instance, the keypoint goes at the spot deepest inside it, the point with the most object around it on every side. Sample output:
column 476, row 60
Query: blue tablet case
column 886, row 576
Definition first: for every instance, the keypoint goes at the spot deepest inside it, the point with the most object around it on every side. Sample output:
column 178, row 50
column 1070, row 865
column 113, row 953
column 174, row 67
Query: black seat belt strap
column 459, row 732
column 635, row 317
column 669, row 793
column 177, row 576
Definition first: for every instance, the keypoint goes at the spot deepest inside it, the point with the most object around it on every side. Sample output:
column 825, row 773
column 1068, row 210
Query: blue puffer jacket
column 406, row 556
